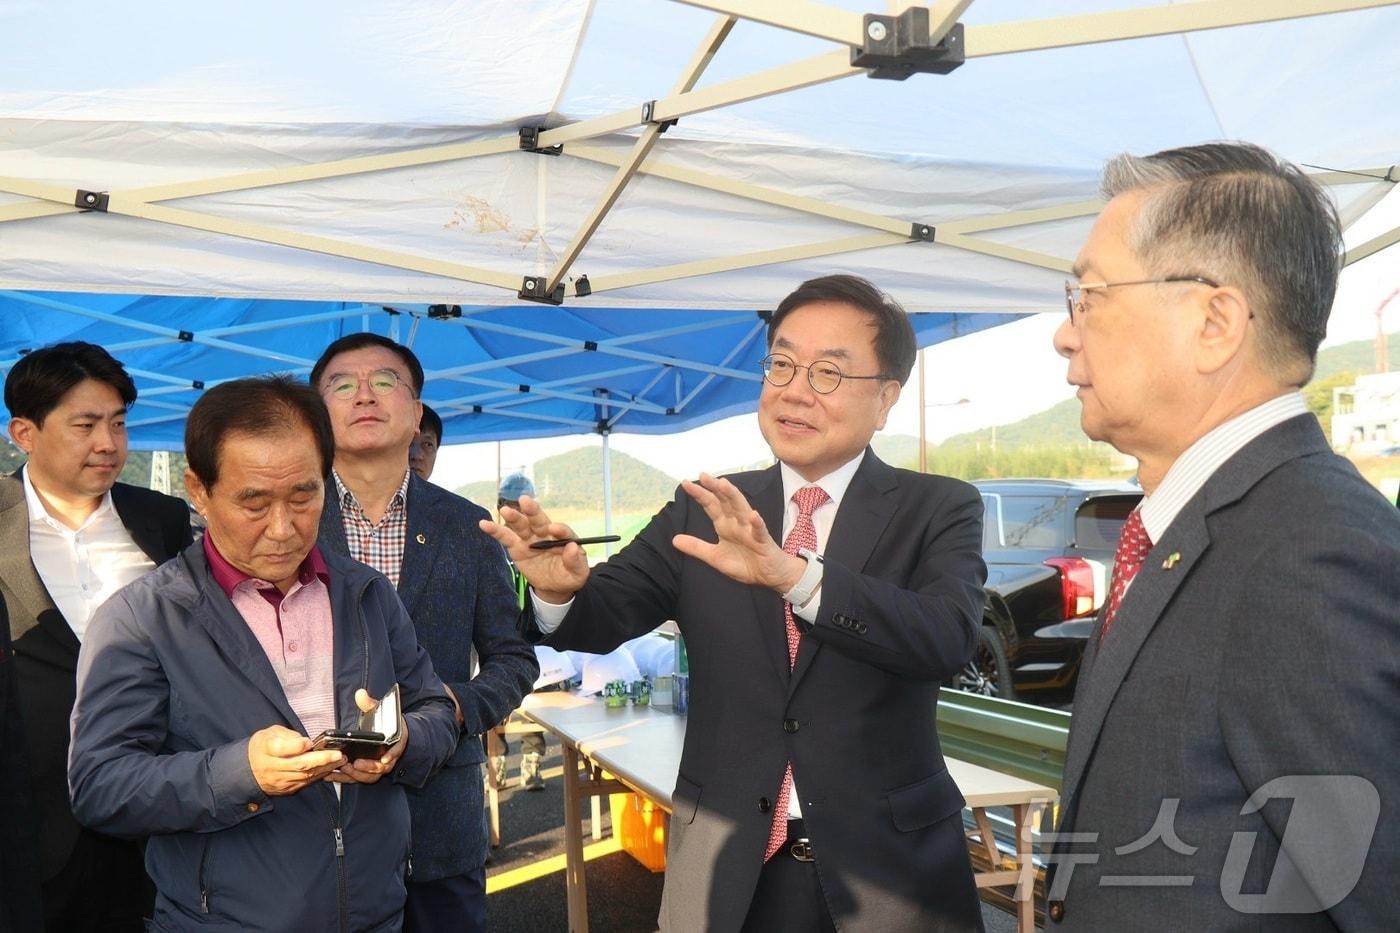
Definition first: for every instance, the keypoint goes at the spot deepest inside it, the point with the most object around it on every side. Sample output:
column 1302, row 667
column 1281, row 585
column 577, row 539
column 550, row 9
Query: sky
column 1004, row 374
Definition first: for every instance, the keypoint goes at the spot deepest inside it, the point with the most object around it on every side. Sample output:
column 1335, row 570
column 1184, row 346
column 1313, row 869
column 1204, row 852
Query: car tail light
column 1080, row 585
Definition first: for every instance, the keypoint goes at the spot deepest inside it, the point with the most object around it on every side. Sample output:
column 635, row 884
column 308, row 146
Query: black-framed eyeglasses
column 1074, row 294
column 381, row 382
column 823, row 376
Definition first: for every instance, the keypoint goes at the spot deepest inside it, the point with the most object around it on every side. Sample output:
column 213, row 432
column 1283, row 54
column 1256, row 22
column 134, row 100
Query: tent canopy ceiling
column 272, row 176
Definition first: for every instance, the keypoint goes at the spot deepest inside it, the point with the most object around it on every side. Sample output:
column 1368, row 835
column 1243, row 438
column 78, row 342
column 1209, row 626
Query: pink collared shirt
column 294, row 629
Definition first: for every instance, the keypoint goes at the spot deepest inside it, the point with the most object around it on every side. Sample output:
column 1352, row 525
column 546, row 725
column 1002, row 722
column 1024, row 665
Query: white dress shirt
column 1199, row 462
column 81, row 568
column 548, row 616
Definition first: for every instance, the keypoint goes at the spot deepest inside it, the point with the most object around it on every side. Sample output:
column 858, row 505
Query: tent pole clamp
column 443, row 312
column 91, row 200
column 898, row 46
column 648, row 111
column 922, row 232
column 530, row 142
column 532, row 288
column 582, row 287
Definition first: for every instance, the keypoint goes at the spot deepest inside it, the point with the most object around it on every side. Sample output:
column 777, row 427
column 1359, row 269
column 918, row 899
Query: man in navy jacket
column 202, row 685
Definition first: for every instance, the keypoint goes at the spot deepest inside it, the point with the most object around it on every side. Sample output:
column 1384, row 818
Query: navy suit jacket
column 46, row 650
column 1260, row 641
column 901, row 600
column 457, row 587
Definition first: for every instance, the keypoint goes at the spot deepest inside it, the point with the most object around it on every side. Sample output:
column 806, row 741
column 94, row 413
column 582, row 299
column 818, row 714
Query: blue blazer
column 456, row 585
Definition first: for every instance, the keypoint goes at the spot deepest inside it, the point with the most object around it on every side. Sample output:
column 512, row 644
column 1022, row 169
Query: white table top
column 641, row 746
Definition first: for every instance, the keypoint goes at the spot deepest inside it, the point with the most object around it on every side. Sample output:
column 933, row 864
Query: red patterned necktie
column 802, row 535
column 1133, row 545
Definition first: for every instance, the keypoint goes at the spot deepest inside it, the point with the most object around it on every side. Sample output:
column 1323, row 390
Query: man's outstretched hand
column 555, row 574
column 745, row 551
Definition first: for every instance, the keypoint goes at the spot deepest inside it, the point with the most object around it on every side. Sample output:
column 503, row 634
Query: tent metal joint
column 532, row 288
column 185, row 336
column 197, row 384
column 91, row 200
column 649, row 116
column 898, row 46
column 530, row 142
column 443, row 312
column 922, row 232
column 591, row 346
column 582, row 287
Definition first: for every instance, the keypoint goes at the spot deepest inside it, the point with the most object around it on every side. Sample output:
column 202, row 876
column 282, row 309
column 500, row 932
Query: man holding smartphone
column 201, row 685
column 454, row 581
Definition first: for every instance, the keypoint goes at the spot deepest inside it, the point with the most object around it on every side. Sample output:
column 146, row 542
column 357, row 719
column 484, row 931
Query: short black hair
column 259, row 406
column 39, row 381
column 359, row 342
column 431, row 422
column 895, row 346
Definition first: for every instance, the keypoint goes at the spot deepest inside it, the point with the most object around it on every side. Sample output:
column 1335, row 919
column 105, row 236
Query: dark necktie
column 802, row 535
column 1133, row 545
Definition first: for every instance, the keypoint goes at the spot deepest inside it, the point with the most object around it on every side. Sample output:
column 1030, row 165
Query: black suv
column 1049, row 547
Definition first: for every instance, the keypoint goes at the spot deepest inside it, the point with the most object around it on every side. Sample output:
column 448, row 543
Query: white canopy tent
column 357, row 156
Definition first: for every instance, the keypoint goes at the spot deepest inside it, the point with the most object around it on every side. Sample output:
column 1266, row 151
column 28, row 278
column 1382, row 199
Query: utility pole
column 160, row 471
column 1382, row 353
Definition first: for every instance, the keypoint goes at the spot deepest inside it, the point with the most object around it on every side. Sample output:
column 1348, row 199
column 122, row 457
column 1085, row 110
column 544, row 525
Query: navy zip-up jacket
column 172, row 683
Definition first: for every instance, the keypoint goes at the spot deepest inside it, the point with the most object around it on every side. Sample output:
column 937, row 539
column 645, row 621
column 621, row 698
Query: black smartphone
column 353, row 744
column 560, row 542
column 380, row 729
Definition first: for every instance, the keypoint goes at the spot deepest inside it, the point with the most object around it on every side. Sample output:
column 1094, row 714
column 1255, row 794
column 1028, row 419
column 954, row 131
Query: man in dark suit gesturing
column 1231, row 759
column 69, row 538
column 822, row 600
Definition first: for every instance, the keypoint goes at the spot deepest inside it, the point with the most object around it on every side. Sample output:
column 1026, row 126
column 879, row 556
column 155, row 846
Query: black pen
column 560, row 542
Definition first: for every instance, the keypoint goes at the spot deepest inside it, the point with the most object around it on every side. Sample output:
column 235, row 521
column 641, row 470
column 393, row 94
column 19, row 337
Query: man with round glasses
column 1228, row 765
column 457, row 588
column 822, row 601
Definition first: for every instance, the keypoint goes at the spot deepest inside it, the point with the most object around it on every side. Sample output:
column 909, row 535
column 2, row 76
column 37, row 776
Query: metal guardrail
column 1014, row 738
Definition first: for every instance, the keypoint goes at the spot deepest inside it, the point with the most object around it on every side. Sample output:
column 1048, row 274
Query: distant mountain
column 574, row 480
column 1058, row 425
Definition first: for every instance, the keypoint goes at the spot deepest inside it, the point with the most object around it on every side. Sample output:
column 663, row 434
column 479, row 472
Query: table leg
column 493, row 805
column 1024, row 815
column 575, row 882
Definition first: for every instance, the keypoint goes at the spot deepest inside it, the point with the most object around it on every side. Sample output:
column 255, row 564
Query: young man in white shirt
column 71, row 536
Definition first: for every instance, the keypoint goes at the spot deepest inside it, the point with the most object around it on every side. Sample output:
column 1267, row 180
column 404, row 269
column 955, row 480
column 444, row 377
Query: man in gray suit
column 1229, row 762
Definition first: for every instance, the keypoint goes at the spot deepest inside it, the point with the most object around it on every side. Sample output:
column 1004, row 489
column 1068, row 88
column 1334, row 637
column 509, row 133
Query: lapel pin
column 1171, row 561
column 421, row 539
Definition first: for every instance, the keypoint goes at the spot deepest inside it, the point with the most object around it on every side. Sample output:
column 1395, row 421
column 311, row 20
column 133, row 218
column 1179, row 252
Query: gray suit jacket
column 1260, row 641
column 901, row 602
column 457, row 587
column 46, row 650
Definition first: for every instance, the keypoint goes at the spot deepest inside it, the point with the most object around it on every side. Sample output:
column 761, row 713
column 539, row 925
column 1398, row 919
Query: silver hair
column 1237, row 214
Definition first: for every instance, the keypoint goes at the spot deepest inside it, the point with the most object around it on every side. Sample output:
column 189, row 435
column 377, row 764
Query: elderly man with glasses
column 822, row 601
column 1228, row 764
column 457, row 588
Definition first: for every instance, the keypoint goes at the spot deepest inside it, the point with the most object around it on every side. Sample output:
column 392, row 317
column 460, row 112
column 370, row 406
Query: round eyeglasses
column 822, row 375
column 345, row 385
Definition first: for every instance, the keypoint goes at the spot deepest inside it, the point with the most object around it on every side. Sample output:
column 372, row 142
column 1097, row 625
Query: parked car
column 1049, row 547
